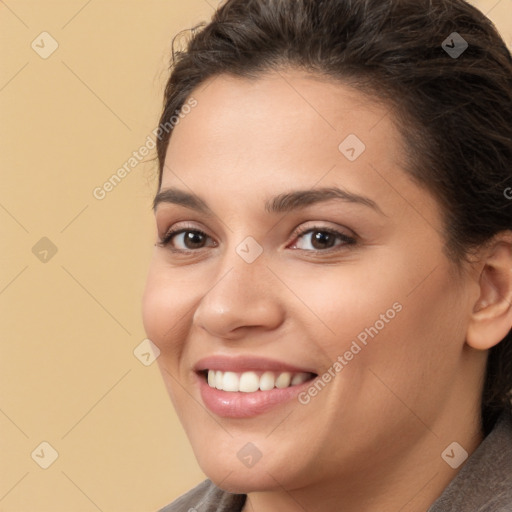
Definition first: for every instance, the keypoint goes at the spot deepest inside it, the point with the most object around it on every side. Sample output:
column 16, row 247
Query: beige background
column 70, row 323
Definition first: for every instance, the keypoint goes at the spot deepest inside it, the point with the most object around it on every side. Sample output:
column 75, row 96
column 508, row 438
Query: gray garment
column 484, row 484
column 207, row 497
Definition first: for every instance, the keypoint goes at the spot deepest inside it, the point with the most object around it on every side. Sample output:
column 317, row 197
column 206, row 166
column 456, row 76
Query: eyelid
column 321, row 226
column 178, row 228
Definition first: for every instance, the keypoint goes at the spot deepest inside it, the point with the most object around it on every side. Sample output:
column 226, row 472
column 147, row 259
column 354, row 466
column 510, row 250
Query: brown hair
column 453, row 111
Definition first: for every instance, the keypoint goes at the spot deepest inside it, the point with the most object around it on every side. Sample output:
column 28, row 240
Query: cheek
column 165, row 304
column 395, row 318
column 414, row 359
column 346, row 303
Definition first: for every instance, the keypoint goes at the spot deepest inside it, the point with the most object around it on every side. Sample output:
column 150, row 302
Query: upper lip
column 246, row 363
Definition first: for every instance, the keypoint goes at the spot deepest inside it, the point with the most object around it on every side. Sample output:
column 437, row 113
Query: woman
column 331, row 287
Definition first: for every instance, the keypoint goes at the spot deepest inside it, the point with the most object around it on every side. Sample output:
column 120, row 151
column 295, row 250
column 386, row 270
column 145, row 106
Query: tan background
column 70, row 323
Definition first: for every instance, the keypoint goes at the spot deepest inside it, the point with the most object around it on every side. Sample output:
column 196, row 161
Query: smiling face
column 300, row 252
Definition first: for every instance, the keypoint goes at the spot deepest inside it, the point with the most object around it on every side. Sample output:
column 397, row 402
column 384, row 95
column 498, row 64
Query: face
column 304, row 268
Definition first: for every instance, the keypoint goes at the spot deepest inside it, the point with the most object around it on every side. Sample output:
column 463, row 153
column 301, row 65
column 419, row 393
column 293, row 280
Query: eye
column 321, row 239
column 184, row 239
column 312, row 239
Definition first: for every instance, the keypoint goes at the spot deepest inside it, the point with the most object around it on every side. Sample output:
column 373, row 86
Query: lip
column 229, row 404
column 240, row 405
column 246, row 364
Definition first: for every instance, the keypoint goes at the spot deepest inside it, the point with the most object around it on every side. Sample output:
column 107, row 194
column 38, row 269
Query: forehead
column 251, row 138
column 280, row 112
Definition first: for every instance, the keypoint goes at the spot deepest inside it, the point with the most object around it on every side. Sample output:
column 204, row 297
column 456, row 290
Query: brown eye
column 185, row 240
column 193, row 239
column 321, row 239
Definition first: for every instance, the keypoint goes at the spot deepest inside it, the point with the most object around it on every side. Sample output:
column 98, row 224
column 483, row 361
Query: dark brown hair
column 454, row 112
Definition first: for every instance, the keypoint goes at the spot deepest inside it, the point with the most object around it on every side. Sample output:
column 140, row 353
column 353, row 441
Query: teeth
column 249, row 382
column 267, row 381
column 299, row 378
column 283, row 381
column 230, row 382
column 218, row 380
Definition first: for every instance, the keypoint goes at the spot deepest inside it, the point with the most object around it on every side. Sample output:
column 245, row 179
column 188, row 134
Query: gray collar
column 485, row 481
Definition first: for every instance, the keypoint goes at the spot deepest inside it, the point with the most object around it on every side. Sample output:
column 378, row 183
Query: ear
column 491, row 319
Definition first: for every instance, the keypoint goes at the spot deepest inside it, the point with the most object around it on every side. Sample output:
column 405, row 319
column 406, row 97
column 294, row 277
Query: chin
column 231, row 474
column 243, row 481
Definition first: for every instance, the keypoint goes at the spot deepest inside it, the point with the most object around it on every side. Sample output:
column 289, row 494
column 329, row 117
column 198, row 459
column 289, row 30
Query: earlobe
column 491, row 319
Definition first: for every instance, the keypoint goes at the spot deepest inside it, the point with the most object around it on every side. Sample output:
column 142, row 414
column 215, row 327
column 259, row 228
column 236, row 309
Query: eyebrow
column 282, row 203
column 183, row 198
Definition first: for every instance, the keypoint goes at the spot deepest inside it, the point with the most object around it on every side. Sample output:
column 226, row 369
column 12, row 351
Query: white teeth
column 283, row 381
column 249, row 382
column 218, row 380
column 230, row 382
column 267, row 381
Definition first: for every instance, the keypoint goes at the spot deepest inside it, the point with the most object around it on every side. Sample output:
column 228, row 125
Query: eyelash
column 167, row 238
column 347, row 240
column 301, row 231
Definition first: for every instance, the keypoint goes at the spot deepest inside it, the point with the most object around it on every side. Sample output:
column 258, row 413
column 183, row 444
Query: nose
column 243, row 298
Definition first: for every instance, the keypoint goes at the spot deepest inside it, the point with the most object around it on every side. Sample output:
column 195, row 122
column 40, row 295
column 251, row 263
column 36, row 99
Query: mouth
column 244, row 387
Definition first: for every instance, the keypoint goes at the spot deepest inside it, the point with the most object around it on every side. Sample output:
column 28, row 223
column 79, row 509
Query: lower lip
column 246, row 405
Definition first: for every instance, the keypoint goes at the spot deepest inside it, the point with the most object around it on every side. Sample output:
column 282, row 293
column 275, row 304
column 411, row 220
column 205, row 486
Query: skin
column 372, row 439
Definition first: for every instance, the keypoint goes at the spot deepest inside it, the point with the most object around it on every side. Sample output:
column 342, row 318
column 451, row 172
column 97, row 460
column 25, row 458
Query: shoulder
column 206, row 497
